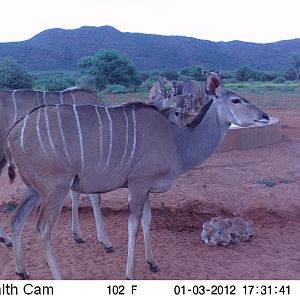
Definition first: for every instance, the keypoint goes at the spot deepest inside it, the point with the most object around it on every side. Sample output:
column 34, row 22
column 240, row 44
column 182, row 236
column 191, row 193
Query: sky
column 260, row 21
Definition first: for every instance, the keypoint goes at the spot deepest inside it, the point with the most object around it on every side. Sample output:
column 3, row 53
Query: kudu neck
column 195, row 145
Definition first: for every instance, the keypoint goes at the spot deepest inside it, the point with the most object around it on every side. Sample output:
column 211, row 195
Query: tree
column 296, row 64
column 109, row 67
column 192, row 72
column 244, row 74
column 170, row 74
column 13, row 76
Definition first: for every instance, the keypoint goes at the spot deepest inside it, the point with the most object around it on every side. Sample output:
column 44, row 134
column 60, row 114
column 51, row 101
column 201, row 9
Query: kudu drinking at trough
column 16, row 104
column 93, row 149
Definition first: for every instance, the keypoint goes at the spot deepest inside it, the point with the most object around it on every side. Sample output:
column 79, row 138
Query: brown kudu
column 98, row 149
column 182, row 109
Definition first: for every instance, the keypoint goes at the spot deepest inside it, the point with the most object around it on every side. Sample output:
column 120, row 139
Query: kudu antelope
column 163, row 89
column 16, row 104
column 158, row 91
column 98, row 149
column 182, row 109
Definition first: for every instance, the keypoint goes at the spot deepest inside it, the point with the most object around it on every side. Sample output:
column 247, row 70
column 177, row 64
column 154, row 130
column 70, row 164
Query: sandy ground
column 226, row 184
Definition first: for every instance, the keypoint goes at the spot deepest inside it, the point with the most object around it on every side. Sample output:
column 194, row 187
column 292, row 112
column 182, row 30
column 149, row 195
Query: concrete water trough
column 242, row 138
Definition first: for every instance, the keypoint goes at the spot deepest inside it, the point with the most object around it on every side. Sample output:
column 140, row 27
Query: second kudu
column 182, row 109
column 16, row 104
column 94, row 149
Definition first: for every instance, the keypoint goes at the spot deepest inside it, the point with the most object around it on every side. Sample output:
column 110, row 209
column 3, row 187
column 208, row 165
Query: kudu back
column 94, row 149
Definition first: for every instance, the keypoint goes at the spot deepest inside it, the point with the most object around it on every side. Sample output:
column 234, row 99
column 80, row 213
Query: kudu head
column 233, row 108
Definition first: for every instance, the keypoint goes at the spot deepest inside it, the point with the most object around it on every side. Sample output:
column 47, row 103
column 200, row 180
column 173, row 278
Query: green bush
column 279, row 79
column 108, row 67
column 119, row 89
column 54, row 82
column 13, row 76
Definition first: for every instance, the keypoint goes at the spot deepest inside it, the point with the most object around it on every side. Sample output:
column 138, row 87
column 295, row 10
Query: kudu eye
column 235, row 101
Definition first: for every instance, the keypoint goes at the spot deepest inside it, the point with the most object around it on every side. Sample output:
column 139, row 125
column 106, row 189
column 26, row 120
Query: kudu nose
column 265, row 116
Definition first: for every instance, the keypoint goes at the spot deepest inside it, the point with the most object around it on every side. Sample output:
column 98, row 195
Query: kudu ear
column 218, row 72
column 214, row 85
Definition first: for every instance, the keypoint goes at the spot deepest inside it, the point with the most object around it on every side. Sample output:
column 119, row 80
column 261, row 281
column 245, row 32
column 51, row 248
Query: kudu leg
column 49, row 212
column 17, row 221
column 146, row 224
column 136, row 200
column 101, row 233
column 4, row 238
column 75, row 220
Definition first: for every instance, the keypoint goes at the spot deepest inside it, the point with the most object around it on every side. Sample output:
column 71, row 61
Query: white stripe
column 61, row 98
column 15, row 107
column 48, row 128
column 22, row 133
column 44, row 98
column 126, row 140
column 134, row 136
column 73, row 97
column 38, row 130
column 37, row 98
column 80, row 137
column 110, row 137
column 62, row 134
column 100, row 136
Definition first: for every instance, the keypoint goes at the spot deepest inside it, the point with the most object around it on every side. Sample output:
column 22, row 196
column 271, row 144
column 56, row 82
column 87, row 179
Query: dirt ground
column 227, row 184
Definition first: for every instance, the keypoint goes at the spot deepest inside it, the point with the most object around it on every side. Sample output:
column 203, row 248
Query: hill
column 60, row 49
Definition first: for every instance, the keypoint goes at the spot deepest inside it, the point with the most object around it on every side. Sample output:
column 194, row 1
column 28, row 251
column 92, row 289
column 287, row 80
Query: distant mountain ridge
column 61, row 49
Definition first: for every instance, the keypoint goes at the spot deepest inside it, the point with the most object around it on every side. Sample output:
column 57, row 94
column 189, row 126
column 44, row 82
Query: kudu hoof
column 109, row 249
column 9, row 244
column 153, row 268
column 78, row 240
column 23, row 276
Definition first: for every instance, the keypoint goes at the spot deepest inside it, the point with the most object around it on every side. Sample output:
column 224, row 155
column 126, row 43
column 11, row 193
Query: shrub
column 118, row 89
column 54, row 82
column 13, row 76
column 279, row 79
column 109, row 67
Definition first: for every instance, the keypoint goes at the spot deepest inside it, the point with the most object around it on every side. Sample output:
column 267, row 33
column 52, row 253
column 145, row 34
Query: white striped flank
column 62, row 134
column 22, row 133
column 80, row 137
column 126, row 141
column 134, row 136
column 38, row 130
column 48, row 128
column 73, row 97
column 44, row 98
column 61, row 98
column 100, row 136
column 15, row 106
column 110, row 137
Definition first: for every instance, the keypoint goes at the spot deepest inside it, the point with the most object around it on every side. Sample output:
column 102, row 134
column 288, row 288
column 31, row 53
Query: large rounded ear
column 213, row 85
column 218, row 72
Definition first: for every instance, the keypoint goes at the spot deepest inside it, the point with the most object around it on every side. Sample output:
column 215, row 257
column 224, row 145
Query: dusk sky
column 260, row 21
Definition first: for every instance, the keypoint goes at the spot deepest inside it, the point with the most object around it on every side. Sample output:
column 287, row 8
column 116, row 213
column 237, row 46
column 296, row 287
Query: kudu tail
column 11, row 165
column 11, row 171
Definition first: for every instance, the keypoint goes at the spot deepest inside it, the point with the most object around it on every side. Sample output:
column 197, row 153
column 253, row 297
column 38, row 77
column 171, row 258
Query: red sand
column 226, row 184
